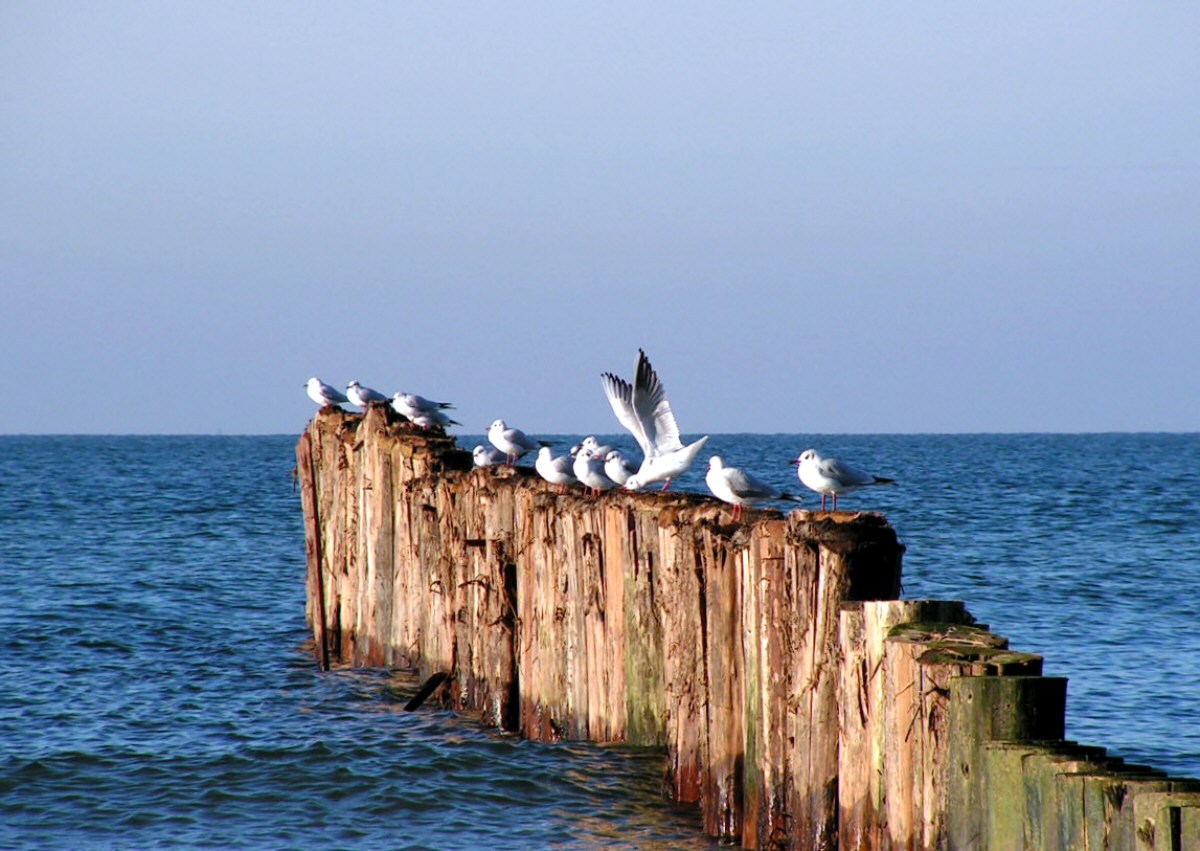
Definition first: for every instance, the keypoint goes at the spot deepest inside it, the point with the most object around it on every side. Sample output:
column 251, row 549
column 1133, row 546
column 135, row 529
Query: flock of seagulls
column 641, row 406
column 420, row 411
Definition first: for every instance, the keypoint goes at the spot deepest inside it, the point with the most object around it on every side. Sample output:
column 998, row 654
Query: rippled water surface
column 154, row 691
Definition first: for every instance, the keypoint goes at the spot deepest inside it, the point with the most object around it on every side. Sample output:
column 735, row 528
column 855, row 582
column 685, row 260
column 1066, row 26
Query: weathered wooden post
column 312, row 536
column 796, row 581
column 864, row 630
column 985, row 709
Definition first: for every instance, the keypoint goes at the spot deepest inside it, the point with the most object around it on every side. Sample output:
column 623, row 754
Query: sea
column 156, row 690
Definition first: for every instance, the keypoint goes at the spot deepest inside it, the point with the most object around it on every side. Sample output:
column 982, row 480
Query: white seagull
column 364, row 396
column 323, row 394
column 617, row 467
column 557, row 471
column 599, row 449
column 644, row 410
column 511, row 441
column 485, row 456
column 831, row 476
column 590, row 471
column 412, row 406
column 739, row 488
column 430, row 419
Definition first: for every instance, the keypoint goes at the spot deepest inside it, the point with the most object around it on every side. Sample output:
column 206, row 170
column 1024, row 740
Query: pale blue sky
column 815, row 217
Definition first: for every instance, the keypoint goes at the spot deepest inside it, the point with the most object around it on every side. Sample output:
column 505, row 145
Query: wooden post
column 856, row 561
column 864, row 628
column 722, row 782
column 919, row 661
column 1048, row 820
column 312, row 548
column 985, row 709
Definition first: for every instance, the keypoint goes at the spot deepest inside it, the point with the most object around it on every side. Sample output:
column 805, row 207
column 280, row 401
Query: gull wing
column 747, row 486
column 519, row 438
column 620, row 396
column 333, row 393
column 843, row 473
column 652, row 409
column 563, row 464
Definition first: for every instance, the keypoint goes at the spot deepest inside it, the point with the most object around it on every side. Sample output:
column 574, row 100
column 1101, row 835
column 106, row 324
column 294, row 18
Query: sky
column 814, row 217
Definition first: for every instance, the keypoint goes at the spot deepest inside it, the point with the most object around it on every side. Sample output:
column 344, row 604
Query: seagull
column 364, row 396
column 831, row 476
column 590, row 471
column 617, row 467
column 431, row 419
column 485, row 456
column 645, row 411
column 598, row 449
column 412, row 406
column 557, row 471
column 511, row 441
column 739, row 488
column 323, row 394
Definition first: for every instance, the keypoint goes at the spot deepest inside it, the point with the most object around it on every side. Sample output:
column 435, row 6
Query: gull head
column 480, row 454
column 805, row 456
column 716, row 463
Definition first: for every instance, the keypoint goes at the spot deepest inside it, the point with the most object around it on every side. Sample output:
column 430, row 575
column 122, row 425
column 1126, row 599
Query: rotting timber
column 800, row 703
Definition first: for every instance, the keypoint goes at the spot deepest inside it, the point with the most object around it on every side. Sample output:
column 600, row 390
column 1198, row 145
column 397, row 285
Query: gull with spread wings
column 643, row 409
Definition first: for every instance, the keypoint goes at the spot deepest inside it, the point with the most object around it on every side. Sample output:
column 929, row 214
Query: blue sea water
column 155, row 693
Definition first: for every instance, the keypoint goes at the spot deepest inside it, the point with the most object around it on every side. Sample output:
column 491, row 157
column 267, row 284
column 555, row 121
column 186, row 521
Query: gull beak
column 794, row 462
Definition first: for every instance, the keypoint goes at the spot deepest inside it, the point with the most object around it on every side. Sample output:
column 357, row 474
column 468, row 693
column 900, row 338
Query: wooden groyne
column 800, row 703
